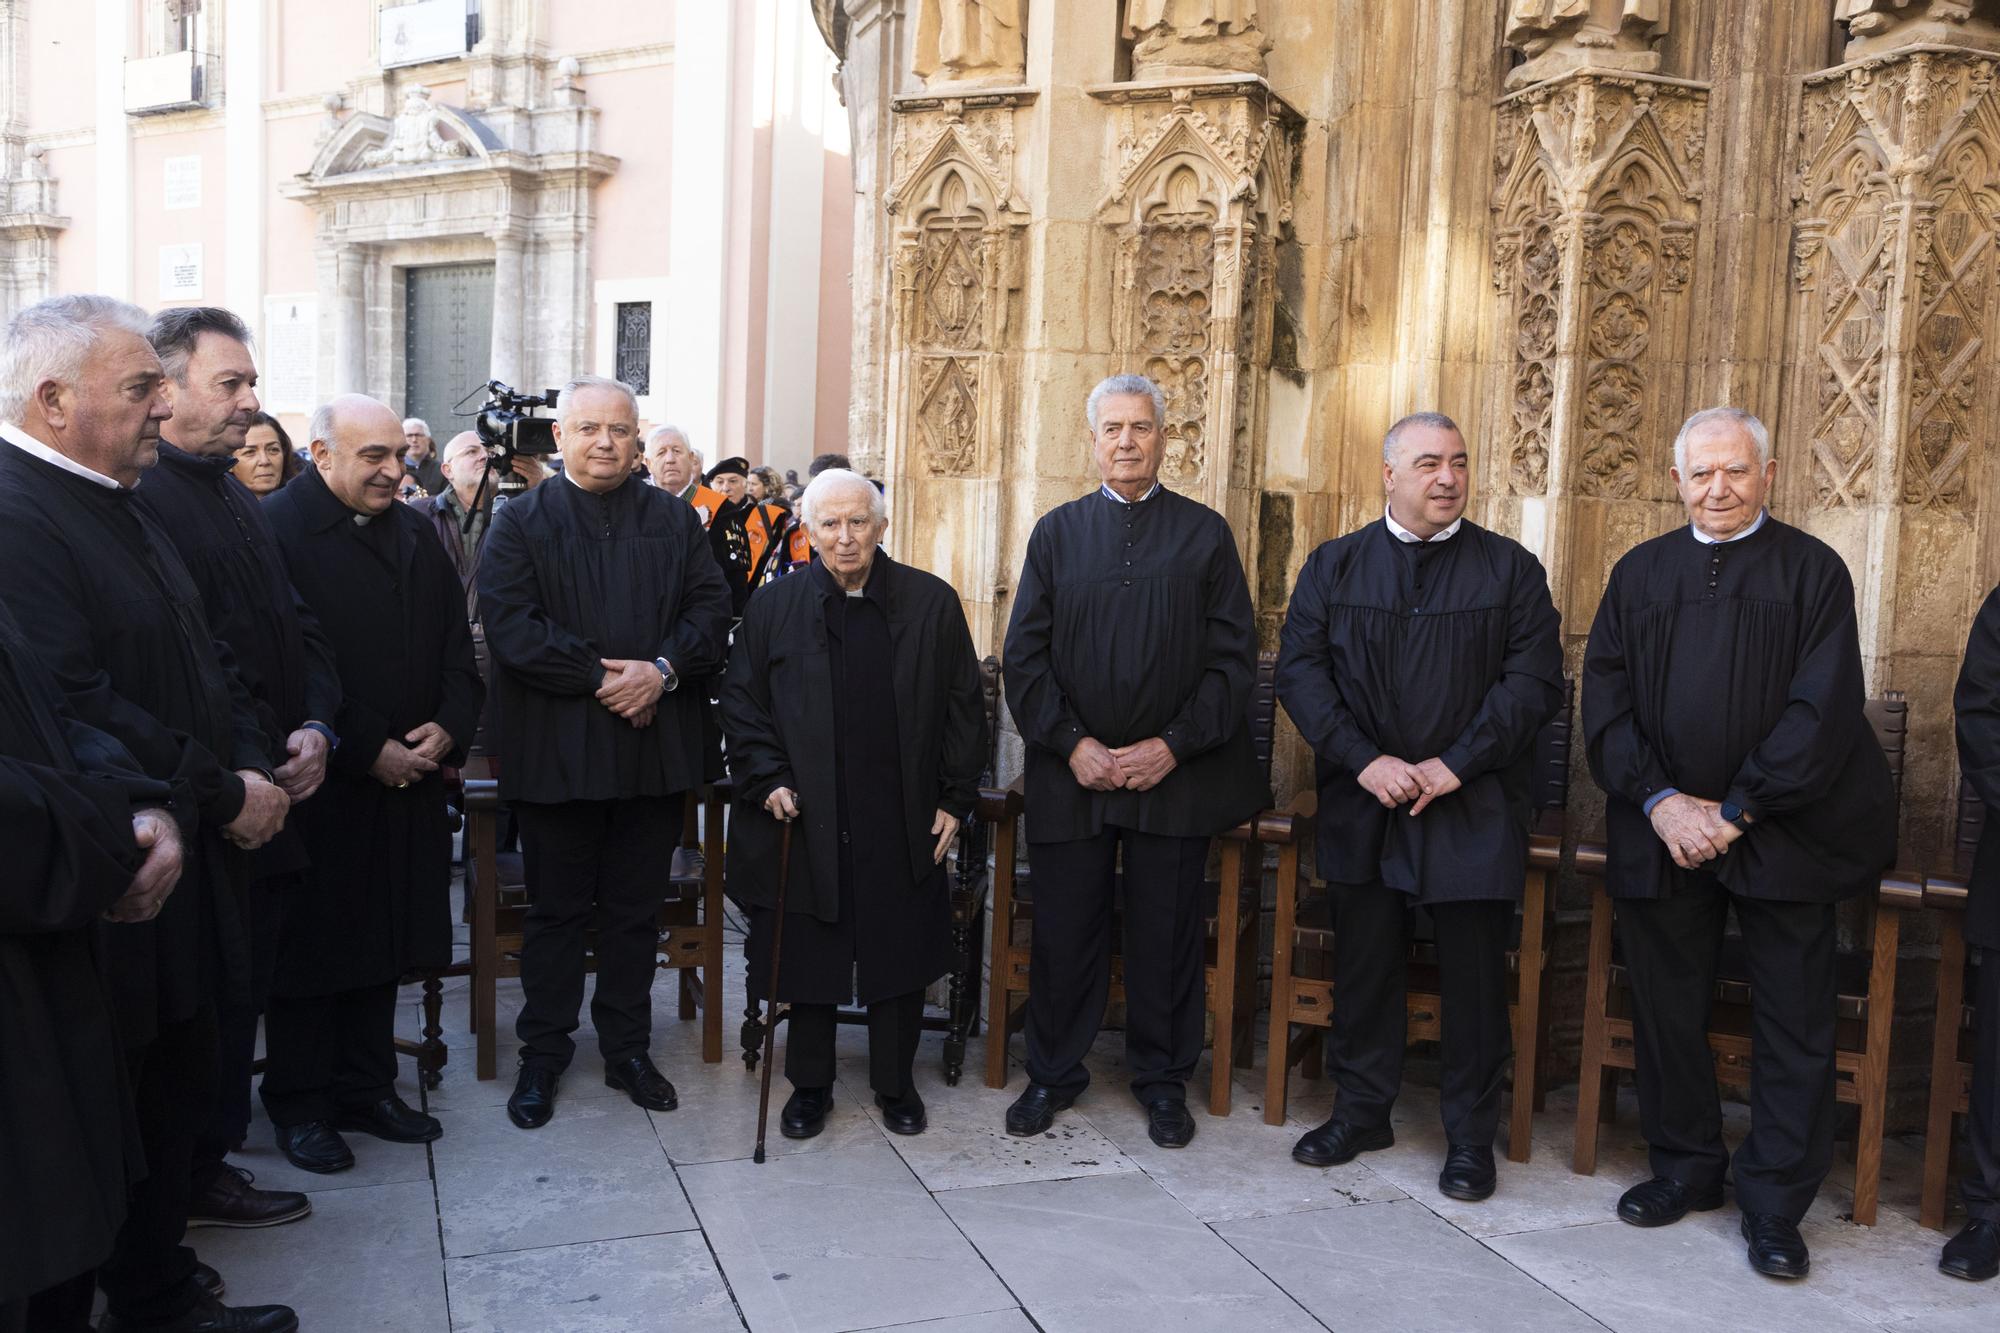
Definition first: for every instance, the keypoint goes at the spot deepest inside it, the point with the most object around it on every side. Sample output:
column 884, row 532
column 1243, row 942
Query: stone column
column 350, row 319
column 510, row 299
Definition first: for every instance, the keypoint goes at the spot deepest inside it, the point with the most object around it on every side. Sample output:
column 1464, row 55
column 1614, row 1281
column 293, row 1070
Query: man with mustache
column 222, row 533
column 1420, row 655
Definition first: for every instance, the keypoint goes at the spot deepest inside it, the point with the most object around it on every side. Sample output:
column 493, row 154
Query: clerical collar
column 1707, row 540
column 1403, row 534
column 28, row 444
column 1109, row 494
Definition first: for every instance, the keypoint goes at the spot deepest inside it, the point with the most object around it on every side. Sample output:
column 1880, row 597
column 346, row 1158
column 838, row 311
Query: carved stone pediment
column 420, row 134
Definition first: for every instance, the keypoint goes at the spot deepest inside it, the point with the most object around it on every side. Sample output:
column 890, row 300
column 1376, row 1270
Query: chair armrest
column 996, row 806
column 1902, row 889
column 1591, row 858
column 1946, row 891
column 481, row 795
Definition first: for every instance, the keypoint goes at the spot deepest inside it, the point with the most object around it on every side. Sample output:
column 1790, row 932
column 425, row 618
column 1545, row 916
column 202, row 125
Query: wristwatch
column 1734, row 814
column 669, row 682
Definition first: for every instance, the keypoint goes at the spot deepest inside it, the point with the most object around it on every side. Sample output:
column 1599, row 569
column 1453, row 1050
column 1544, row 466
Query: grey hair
column 669, row 428
column 1734, row 416
column 418, row 422
column 51, row 339
column 320, row 426
column 1414, row 421
column 566, row 401
column 1114, row 386
column 177, row 331
column 822, row 487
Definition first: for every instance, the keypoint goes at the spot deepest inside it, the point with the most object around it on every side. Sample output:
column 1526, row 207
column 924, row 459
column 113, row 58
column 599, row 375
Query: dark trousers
column 150, row 1274
column 1671, row 945
column 603, row 866
column 894, row 1027
column 1069, row 965
column 228, row 1119
column 1371, row 951
column 325, row 1054
column 63, row 1308
column 1981, row 1186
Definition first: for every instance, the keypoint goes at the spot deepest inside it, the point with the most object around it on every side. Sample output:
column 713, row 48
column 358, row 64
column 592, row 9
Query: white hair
column 656, row 432
column 51, row 339
column 1116, row 386
column 821, row 488
column 418, row 422
column 1735, row 416
column 566, row 400
column 1432, row 420
column 320, row 426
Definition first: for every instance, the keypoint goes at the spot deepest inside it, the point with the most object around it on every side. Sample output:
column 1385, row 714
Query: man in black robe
column 1129, row 663
column 1974, row 1253
column 1419, row 657
column 729, row 529
column 852, row 705
column 376, row 902
column 118, row 620
column 222, row 535
column 599, row 597
column 1722, row 708
column 88, row 840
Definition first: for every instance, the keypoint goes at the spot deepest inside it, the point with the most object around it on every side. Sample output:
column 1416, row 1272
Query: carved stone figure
column 1559, row 35
column 970, row 42
column 1874, row 26
column 1194, row 37
column 416, row 137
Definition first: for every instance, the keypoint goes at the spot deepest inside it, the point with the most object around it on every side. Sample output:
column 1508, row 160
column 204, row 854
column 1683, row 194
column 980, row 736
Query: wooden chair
column 1302, row 987
column 1951, row 1058
column 691, row 922
column 1230, row 970
column 1863, row 977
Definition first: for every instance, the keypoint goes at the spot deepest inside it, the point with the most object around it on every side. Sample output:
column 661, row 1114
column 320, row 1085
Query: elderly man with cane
column 851, row 705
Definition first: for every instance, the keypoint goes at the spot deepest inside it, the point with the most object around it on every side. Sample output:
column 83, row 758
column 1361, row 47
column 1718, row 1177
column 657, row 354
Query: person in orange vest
column 676, row 469
column 778, row 542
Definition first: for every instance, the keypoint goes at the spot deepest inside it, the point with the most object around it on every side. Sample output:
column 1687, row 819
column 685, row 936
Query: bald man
column 376, row 903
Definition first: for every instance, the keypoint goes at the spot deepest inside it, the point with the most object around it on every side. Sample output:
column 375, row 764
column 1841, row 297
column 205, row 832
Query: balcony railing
column 172, row 82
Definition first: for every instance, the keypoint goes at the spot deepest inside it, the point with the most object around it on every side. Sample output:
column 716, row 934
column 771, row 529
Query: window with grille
column 635, row 345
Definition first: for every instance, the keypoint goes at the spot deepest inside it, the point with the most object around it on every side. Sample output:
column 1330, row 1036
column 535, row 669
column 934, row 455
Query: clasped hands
column 1693, row 829
column 1138, row 767
column 1395, row 782
column 631, row 689
column 160, row 838
column 783, row 805
column 401, row 762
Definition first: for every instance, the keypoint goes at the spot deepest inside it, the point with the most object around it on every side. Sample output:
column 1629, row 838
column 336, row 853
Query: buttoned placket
column 1714, row 567
column 1130, row 517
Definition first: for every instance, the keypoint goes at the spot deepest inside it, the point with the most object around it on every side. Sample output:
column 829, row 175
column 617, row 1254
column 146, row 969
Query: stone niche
column 434, row 184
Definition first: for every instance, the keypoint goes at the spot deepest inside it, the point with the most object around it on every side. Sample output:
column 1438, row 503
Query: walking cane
column 771, row 1008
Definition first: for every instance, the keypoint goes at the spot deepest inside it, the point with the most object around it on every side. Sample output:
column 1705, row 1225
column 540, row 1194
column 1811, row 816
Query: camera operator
column 459, row 513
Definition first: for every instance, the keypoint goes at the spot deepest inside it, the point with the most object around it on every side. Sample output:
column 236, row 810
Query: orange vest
column 706, row 502
column 761, row 523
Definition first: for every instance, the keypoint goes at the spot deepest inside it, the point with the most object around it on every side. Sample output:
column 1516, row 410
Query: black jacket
column 567, row 579
column 777, row 713
column 1977, row 704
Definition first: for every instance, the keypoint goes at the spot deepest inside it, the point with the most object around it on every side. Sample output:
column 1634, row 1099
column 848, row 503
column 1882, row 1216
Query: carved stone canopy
column 1562, row 35
column 1877, row 26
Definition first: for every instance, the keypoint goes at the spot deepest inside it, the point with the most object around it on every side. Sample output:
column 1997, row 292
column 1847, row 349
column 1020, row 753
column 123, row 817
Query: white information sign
column 180, row 272
column 288, row 360
column 183, row 182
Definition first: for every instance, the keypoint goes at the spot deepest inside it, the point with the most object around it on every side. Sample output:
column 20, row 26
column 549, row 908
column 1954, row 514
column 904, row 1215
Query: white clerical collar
column 1403, row 534
column 28, row 444
column 1707, row 540
column 1109, row 494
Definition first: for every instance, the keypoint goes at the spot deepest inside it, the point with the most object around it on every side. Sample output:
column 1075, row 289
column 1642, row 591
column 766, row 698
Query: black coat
column 225, row 540
column 116, row 617
column 67, row 793
column 1732, row 672
column 1446, row 649
column 1133, row 622
column 568, row 578
column 1977, row 703
column 778, row 716
column 377, row 900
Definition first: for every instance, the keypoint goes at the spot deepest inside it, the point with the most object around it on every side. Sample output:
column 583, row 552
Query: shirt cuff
column 1658, row 796
column 332, row 741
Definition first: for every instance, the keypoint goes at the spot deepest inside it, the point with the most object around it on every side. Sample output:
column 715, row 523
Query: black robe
column 1131, row 622
column 568, row 578
column 225, row 540
column 1445, row 649
column 114, row 614
column 67, row 1146
column 1977, row 704
column 1732, row 672
column 873, row 715
column 376, row 902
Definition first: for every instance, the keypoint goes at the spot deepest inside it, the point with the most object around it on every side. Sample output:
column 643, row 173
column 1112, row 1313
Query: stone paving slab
column 638, row 1285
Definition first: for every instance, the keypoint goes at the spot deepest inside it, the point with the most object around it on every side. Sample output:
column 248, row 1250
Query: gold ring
column 402, row 784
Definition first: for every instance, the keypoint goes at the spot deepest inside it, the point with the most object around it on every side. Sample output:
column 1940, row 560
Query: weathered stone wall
column 1566, row 222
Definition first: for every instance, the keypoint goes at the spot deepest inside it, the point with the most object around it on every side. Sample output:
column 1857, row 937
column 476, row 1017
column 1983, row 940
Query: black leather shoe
column 805, row 1112
column 1337, row 1142
column 645, row 1085
column 227, row 1200
column 1168, row 1123
column 393, row 1120
column 1468, row 1173
column 1035, row 1110
column 212, row 1316
column 209, row 1280
column 1664, row 1200
column 1776, row 1248
column 902, row 1115
column 314, row 1147
column 1974, row 1253
column 534, row 1099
